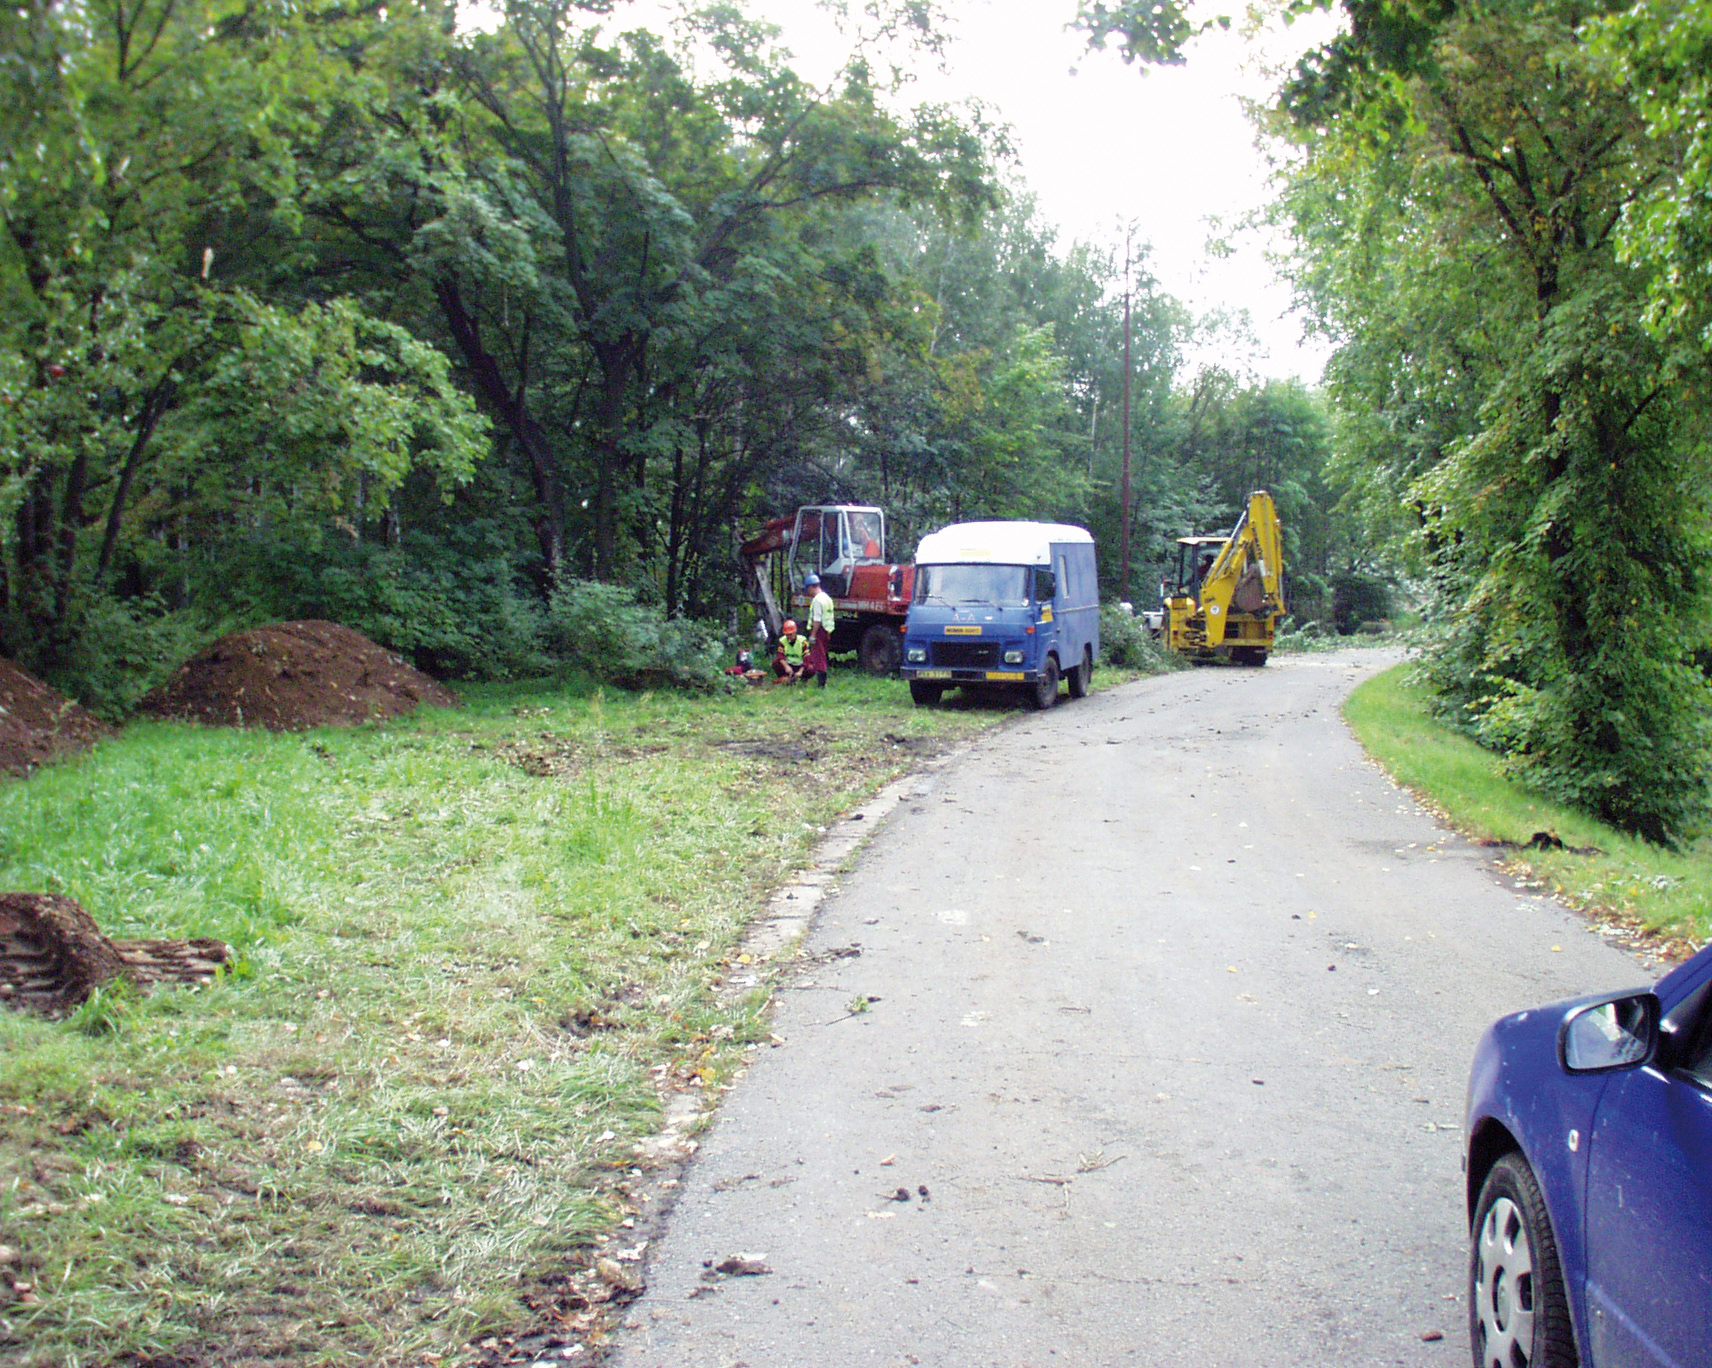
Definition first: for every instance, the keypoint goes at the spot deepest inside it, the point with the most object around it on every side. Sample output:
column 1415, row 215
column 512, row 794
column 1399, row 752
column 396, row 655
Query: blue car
column 1589, row 1180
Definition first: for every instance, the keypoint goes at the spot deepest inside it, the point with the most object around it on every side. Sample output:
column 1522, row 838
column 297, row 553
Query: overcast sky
column 1102, row 144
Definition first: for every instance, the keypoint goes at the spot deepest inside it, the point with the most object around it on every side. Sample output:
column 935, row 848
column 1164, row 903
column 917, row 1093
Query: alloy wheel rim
column 1504, row 1288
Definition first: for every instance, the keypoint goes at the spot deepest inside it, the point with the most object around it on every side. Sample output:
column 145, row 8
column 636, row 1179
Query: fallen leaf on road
column 617, row 1276
column 742, row 1266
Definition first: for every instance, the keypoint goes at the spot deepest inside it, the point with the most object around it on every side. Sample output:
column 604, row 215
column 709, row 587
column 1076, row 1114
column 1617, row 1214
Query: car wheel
column 1045, row 692
column 925, row 695
column 1518, row 1313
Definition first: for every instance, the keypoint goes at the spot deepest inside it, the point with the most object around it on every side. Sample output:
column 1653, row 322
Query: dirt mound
column 294, row 676
column 38, row 725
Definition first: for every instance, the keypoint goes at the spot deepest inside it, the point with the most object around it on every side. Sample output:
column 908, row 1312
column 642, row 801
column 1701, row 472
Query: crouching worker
column 745, row 669
column 791, row 660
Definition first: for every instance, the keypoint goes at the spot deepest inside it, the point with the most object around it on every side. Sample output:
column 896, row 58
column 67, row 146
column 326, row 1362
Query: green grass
column 1664, row 891
column 470, row 946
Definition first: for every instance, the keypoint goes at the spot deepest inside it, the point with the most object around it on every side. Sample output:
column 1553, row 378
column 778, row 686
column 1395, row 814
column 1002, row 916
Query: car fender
column 1518, row 1089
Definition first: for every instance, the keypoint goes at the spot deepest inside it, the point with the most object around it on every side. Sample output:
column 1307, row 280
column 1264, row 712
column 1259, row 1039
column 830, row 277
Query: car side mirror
column 1619, row 1033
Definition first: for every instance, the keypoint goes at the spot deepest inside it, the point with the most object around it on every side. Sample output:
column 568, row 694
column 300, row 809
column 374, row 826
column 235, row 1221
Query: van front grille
column 965, row 654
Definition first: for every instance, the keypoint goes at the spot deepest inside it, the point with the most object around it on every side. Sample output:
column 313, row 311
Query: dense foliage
column 356, row 312
column 1501, row 215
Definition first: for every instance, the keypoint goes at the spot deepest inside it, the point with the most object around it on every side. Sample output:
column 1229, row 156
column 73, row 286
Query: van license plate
column 931, row 674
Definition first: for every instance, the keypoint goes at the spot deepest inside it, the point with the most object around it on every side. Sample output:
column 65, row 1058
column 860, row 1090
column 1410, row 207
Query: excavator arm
column 1229, row 610
column 1247, row 575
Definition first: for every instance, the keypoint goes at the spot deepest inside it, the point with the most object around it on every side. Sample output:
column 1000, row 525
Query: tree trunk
column 614, row 360
column 158, row 400
column 513, row 411
column 70, row 517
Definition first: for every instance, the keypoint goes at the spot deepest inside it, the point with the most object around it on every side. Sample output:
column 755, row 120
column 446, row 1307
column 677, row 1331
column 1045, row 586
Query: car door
column 1649, row 1213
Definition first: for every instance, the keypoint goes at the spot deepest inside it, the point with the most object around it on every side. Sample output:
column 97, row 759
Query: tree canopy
column 1490, row 219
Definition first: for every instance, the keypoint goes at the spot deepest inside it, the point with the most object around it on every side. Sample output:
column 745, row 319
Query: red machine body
column 845, row 544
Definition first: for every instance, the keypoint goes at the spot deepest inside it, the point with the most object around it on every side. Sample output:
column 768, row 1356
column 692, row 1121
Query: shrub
column 601, row 628
column 452, row 606
column 1125, row 642
column 1359, row 598
column 122, row 648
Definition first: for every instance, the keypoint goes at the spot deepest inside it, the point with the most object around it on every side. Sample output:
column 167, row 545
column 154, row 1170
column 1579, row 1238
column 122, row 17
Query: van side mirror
column 1045, row 586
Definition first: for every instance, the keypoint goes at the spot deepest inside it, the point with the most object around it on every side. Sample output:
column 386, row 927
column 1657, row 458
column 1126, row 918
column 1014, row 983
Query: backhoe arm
column 1247, row 573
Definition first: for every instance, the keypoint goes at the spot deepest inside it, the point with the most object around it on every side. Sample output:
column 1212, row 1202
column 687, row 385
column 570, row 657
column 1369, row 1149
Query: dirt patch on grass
column 38, row 724
column 294, row 676
column 923, row 747
column 824, row 750
column 553, row 757
column 809, row 747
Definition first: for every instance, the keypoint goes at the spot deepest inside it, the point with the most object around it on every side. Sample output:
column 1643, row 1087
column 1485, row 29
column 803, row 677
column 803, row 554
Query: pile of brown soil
column 38, row 725
column 293, row 676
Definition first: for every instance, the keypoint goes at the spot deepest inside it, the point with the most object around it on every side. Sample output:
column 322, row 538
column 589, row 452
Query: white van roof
column 1001, row 543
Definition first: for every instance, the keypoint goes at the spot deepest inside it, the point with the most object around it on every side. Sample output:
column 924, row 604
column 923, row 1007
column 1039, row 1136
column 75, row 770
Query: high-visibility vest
column 793, row 648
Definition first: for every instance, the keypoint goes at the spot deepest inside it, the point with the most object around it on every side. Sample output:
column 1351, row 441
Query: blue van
column 1012, row 604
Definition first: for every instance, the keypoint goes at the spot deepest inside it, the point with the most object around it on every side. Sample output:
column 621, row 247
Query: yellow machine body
column 1229, row 593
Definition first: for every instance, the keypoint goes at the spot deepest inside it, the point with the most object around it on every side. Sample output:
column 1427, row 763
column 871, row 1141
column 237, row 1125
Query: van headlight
column 1013, row 657
column 916, row 655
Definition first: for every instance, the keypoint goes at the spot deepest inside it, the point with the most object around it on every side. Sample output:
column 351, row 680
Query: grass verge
column 473, row 950
column 1626, row 884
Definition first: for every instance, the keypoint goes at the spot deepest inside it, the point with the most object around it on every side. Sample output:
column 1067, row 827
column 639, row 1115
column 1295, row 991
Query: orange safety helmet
column 790, row 628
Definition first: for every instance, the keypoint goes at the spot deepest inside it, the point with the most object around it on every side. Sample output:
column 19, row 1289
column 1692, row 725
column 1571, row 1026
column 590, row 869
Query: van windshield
column 1001, row 585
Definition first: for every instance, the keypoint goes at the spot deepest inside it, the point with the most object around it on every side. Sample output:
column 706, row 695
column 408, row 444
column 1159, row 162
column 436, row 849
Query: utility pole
column 1125, row 538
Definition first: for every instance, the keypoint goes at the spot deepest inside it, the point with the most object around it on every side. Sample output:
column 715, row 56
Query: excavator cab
column 832, row 540
column 845, row 544
column 1195, row 558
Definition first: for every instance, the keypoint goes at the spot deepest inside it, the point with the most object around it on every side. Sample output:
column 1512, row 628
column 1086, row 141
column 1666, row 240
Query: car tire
column 925, row 695
column 1045, row 691
column 1518, row 1311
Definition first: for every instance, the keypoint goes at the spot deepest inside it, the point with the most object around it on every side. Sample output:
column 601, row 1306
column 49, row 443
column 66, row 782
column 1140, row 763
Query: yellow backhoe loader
column 1229, row 592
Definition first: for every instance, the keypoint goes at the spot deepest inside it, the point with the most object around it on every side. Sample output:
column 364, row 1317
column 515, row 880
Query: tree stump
column 53, row 956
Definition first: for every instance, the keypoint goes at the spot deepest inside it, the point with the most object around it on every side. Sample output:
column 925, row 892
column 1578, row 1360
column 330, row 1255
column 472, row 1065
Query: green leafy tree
column 156, row 393
column 653, row 202
column 1660, row 55
column 1463, row 177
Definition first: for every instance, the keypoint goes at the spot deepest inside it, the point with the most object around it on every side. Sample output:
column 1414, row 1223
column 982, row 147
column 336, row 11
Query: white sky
column 1102, row 144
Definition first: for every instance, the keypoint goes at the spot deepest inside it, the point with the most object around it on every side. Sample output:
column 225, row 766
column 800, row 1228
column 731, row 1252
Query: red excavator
column 845, row 544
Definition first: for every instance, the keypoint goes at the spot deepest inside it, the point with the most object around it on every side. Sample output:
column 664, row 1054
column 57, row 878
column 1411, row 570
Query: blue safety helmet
column 811, row 582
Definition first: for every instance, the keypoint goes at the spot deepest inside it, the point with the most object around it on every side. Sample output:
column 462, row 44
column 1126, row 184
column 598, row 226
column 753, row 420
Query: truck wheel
column 925, row 695
column 1045, row 692
column 882, row 649
column 1084, row 672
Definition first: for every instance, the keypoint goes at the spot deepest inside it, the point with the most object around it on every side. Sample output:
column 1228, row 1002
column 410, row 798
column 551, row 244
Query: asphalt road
column 1170, row 997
